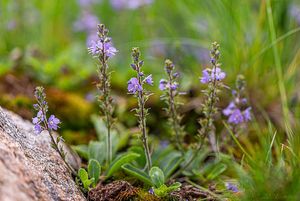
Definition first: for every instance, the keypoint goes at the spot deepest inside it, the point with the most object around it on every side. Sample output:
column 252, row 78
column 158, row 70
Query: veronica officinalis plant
column 42, row 122
column 212, row 78
column 103, row 50
column 136, row 88
column 170, row 88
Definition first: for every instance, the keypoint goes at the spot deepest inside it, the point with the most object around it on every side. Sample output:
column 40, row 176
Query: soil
column 114, row 191
column 124, row 191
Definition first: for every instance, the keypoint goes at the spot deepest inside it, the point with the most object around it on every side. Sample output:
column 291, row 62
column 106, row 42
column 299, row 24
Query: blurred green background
column 45, row 42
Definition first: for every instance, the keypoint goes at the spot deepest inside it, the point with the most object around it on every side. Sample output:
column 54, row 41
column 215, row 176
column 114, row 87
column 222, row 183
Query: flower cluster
column 213, row 78
column 105, row 46
column 169, row 87
column 135, row 84
column 237, row 110
column 102, row 49
column 136, row 87
column 212, row 74
column 40, row 121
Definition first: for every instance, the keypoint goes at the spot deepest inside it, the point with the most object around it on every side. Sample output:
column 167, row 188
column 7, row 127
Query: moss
column 71, row 108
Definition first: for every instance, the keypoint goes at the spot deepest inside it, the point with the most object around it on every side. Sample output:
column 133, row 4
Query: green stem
column 142, row 120
column 104, row 78
column 175, row 121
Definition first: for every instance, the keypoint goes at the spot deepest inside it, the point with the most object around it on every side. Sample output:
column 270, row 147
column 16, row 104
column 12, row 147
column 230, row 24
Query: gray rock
column 30, row 169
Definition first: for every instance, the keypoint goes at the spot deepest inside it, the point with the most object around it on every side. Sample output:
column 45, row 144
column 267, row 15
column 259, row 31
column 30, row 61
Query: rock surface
column 30, row 169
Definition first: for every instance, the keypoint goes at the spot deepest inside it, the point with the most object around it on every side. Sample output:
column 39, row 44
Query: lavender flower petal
column 134, row 86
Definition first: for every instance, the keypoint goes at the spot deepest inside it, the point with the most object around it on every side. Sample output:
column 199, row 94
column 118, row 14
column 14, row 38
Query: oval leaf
column 97, row 151
column 121, row 160
column 157, row 176
column 137, row 173
column 94, row 170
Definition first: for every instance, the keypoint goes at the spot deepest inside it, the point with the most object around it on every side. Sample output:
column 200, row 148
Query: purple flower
column 229, row 109
column 151, row 191
column 35, row 120
column 149, row 80
column 176, row 75
column 53, row 122
column 236, row 117
column 174, row 86
column 206, row 77
column 247, row 114
column 134, row 86
column 209, row 75
column 217, row 74
column 38, row 128
column 40, row 115
column 36, row 106
column 97, row 46
column 162, row 84
column 231, row 187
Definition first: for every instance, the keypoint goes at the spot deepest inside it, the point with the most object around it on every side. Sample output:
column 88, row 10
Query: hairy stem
column 104, row 79
column 142, row 121
column 175, row 121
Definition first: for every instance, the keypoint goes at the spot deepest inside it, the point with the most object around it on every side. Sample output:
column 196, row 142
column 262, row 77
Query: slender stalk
column 174, row 116
column 209, row 108
column 103, row 77
column 170, row 87
column 102, row 49
column 142, row 120
column 42, row 123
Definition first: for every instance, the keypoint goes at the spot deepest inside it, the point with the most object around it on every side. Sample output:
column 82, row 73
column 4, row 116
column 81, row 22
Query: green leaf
column 157, row 176
column 83, row 175
column 162, row 191
column 97, row 151
column 160, row 154
column 217, row 170
column 174, row 187
column 100, row 127
column 82, row 150
column 121, row 160
column 87, row 183
column 141, row 161
column 94, row 170
column 137, row 173
column 173, row 162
